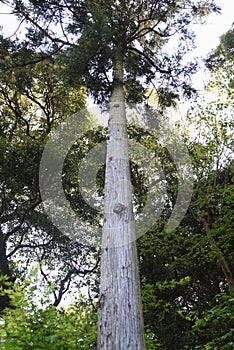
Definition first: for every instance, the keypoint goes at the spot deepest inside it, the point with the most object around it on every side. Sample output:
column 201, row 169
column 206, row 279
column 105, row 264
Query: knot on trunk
column 119, row 208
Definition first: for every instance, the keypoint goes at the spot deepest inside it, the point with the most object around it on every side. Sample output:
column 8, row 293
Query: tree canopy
column 186, row 275
column 91, row 32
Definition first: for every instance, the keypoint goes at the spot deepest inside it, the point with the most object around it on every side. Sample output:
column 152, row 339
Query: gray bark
column 120, row 322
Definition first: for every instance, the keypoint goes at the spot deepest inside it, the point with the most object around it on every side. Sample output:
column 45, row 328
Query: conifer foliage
column 117, row 50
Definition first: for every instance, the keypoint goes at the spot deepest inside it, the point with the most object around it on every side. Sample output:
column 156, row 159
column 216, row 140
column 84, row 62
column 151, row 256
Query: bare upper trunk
column 120, row 324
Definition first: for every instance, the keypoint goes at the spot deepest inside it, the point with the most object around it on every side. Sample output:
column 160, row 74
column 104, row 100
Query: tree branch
column 34, row 61
column 161, row 70
column 44, row 31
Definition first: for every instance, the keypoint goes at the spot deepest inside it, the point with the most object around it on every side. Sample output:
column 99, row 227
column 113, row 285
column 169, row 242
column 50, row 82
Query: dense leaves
column 187, row 274
column 196, row 314
column 91, row 33
column 33, row 101
column 33, row 326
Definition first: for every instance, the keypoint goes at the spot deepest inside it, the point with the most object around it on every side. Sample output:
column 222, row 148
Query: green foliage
column 222, row 56
column 220, row 64
column 93, row 32
column 93, row 46
column 33, row 100
column 30, row 326
column 220, row 322
column 199, row 313
column 180, row 312
column 161, row 304
column 151, row 341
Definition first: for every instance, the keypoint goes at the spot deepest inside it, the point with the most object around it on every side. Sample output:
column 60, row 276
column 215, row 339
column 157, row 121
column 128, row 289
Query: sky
column 207, row 35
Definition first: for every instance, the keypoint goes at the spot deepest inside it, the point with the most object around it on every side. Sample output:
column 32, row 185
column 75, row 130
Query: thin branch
column 84, row 272
column 38, row 26
column 161, row 70
column 36, row 101
column 15, row 32
column 34, row 61
column 135, row 34
column 18, row 245
column 30, row 246
column 46, row 278
column 63, row 289
column 15, row 229
column 91, row 300
column 61, row 25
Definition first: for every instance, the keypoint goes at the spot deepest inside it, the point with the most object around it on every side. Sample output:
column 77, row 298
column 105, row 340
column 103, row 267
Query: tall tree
column 117, row 47
column 30, row 105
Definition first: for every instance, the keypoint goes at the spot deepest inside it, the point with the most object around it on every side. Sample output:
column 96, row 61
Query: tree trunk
column 4, row 271
column 120, row 322
column 220, row 257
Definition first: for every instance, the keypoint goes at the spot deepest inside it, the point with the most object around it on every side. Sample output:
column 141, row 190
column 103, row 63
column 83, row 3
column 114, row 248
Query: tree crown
column 91, row 32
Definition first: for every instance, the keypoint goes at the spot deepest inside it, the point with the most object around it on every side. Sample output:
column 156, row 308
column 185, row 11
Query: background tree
column 113, row 37
column 221, row 57
column 32, row 325
column 30, row 106
column 187, row 274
